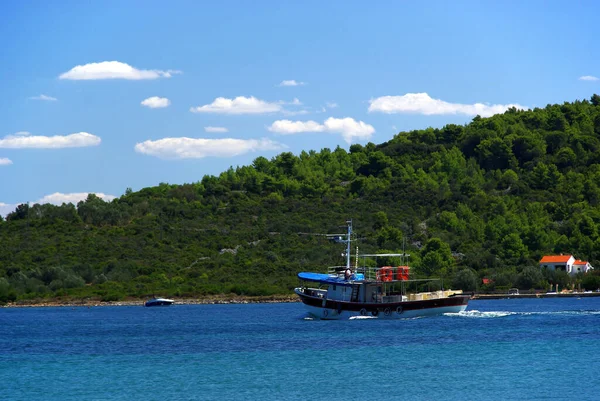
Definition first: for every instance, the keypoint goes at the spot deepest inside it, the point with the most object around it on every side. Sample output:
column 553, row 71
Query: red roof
column 580, row 262
column 555, row 259
column 486, row 281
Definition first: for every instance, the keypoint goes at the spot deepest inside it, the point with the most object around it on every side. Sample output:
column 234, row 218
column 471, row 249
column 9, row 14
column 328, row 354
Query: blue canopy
column 322, row 278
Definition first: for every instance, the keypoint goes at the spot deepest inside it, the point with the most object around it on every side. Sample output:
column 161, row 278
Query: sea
column 507, row 349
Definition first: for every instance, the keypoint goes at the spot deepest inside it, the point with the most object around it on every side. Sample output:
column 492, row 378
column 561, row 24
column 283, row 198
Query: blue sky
column 101, row 96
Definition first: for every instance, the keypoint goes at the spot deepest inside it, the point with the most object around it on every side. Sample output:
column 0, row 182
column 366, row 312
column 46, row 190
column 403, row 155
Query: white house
column 566, row 263
column 581, row 266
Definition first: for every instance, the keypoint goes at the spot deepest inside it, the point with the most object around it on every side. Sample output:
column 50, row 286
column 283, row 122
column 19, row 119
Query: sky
column 101, row 96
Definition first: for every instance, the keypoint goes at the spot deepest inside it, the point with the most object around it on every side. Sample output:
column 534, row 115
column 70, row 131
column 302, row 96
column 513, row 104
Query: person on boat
column 348, row 274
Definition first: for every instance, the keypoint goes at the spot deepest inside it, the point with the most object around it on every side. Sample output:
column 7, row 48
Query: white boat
column 381, row 292
column 159, row 302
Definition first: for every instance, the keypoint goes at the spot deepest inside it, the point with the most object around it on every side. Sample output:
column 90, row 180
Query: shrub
column 465, row 280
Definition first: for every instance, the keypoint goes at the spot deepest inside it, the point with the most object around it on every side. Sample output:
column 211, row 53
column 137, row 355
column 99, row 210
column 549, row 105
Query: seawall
column 538, row 295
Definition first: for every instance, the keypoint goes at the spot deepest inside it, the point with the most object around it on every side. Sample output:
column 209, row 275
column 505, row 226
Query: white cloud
column 113, row 70
column 287, row 127
column 44, row 97
column 294, row 112
column 5, row 161
column 156, row 102
column 239, row 105
column 294, row 102
column 57, row 199
column 421, row 103
column 22, row 140
column 197, row 148
column 328, row 105
column 588, row 78
column 291, row 82
column 216, row 129
column 348, row 128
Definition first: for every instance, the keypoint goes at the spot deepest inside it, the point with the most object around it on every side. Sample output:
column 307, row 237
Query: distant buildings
column 566, row 263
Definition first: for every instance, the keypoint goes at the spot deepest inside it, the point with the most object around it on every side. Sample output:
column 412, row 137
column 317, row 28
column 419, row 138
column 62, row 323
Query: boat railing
column 385, row 273
column 336, row 269
column 397, row 282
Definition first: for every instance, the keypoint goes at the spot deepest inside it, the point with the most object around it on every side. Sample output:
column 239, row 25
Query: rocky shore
column 221, row 299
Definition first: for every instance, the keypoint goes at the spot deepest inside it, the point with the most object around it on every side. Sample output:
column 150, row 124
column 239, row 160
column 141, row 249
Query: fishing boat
column 348, row 291
column 159, row 302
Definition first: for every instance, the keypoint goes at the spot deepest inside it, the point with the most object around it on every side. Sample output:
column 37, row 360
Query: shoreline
column 537, row 295
column 213, row 300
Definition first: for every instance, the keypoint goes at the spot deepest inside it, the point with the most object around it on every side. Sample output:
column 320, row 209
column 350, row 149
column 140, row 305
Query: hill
column 486, row 199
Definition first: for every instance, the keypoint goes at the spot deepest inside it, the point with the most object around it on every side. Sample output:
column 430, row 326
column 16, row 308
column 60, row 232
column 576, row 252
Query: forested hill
column 487, row 199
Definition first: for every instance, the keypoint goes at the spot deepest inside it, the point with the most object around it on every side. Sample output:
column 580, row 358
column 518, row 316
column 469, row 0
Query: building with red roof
column 566, row 263
column 581, row 266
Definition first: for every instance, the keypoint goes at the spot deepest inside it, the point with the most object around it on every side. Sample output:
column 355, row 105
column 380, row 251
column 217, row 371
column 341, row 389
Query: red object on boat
column 402, row 273
column 386, row 273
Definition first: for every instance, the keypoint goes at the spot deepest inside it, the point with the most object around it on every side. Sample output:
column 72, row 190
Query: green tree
column 465, row 280
column 512, row 247
column 436, row 258
column 495, row 153
column 530, row 277
column 380, row 220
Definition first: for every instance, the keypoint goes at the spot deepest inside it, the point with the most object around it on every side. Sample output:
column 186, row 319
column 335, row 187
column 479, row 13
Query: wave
column 478, row 314
column 495, row 314
column 566, row 312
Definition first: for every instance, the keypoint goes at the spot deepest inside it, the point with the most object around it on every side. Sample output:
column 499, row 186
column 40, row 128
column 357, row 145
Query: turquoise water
column 538, row 349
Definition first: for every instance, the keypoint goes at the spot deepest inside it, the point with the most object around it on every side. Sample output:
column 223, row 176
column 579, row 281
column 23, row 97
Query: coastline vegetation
column 483, row 200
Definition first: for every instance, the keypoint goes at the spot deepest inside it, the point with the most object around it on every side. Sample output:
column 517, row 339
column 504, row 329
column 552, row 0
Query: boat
column 347, row 292
column 159, row 302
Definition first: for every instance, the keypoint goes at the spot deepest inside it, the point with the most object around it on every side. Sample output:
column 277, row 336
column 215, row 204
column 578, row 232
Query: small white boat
column 159, row 302
column 384, row 292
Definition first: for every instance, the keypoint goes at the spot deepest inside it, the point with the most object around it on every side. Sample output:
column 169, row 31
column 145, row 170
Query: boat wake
column 565, row 312
column 481, row 315
column 495, row 314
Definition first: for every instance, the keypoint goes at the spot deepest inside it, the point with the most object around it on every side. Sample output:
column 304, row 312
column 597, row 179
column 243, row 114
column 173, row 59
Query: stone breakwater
column 140, row 302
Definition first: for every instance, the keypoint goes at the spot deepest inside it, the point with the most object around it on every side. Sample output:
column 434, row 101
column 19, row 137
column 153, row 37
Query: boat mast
column 348, row 240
